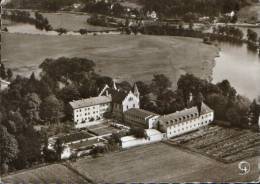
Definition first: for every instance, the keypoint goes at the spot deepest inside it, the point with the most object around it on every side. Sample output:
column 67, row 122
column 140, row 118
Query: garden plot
column 224, row 144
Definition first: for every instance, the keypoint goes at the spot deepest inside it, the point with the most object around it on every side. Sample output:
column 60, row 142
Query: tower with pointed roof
column 136, row 91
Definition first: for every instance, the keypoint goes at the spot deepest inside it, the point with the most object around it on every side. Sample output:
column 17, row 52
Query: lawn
column 50, row 174
column 125, row 57
column 71, row 22
column 161, row 163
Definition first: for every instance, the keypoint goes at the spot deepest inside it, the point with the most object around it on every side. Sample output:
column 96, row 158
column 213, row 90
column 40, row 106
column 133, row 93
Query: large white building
column 90, row 111
column 141, row 118
column 185, row 121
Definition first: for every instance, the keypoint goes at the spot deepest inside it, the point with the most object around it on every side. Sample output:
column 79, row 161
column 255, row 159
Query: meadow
column 55, row 173
column 71, row 22
column 158, row 162
column 125, row 57
column 161, row 163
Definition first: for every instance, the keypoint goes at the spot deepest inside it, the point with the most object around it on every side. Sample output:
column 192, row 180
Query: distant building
column 88, row 111
column 152, row 15
column 141, row 118
column 185, row 121
column 4, row 84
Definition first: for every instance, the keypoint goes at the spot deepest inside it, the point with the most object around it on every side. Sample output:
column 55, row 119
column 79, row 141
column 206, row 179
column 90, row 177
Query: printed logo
column 244, row 167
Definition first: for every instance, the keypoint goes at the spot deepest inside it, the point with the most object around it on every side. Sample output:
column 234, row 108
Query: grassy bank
column 126, row 57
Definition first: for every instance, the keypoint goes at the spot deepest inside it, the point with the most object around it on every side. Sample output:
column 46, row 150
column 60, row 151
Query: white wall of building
column 87, row 116
column 131, row 101
column 66, row 153
column 190, row 125
column 131, row 141
column 152, row 121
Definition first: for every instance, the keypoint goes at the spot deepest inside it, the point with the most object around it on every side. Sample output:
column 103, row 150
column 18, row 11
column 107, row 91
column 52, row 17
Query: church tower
column 136, row 91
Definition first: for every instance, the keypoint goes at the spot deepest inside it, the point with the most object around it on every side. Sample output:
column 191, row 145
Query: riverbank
column 126, row 57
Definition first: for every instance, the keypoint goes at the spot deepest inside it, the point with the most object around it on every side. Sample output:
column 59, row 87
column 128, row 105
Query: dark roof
column 117, row 96
column 140, row 112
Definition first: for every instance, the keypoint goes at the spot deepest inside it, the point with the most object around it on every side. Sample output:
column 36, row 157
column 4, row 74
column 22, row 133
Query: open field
column 224, row 144
column 151, row 163
column 126, row 57
column 56, row 173
column 161, row 162
column 71, row 22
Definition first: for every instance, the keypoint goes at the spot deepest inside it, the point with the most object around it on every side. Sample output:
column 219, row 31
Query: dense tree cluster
column 229, row 31
column 49, row 5
column 43, row 101
column 102, row 20
column 169, row 8
column 221, row 97
column 38, row 20
column 5, row 73
column 105, row 8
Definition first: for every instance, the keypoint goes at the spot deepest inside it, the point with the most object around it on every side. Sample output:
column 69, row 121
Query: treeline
column 163, row 29
column 227, row 33
column 169, row 8
column 38, row 20
column 48, row 5
column 101, row 20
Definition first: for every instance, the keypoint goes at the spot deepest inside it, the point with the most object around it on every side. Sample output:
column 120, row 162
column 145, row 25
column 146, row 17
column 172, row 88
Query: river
column 241, row 67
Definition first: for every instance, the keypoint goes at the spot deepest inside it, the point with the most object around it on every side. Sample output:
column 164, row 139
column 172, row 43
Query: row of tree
column 38, row 20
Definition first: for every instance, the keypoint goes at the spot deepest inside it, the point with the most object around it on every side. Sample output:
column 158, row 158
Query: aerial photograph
column 129, row 91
